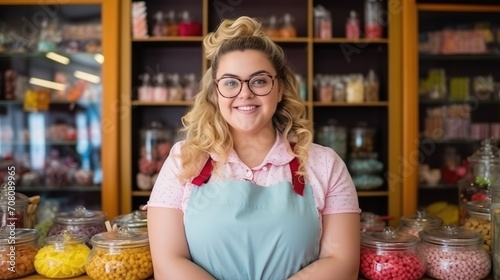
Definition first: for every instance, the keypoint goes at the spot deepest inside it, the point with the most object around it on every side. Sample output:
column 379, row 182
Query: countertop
column 85, row 277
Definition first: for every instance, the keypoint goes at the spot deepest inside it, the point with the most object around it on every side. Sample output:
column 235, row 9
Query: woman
column 248, row 195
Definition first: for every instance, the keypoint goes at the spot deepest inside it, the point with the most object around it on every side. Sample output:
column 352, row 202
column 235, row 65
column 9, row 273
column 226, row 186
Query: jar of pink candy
column 389, row 254
column 418, row 221
column 453, row 253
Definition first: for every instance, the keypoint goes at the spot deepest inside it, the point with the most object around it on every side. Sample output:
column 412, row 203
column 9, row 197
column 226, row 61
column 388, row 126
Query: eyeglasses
column 260, row 85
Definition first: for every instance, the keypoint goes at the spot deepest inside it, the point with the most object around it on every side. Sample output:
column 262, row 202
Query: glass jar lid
column 371, row 221
column 120, row 238
column 487, row 153
column 80, row 216
column 65, row 237
column 6, row 195
column 136, row 219
column 450, row 235
column 479, row 207
column 156, row 131
column 421, row 219
column 19, row 235
column 362, row 128
column 485, row 163
column 388, row 239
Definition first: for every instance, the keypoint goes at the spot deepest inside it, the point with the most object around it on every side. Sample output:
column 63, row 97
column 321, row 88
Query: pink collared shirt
column 332, row 186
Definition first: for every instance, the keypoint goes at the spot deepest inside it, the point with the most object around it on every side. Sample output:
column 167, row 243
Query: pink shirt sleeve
column 331, row 181
column 168, row 189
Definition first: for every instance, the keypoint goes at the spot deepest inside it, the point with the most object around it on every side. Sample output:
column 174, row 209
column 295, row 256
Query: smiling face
column 247, row 113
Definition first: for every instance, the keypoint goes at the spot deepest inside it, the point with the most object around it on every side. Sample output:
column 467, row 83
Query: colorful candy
column 456, row 264
column 62, row 257
column 402, row 265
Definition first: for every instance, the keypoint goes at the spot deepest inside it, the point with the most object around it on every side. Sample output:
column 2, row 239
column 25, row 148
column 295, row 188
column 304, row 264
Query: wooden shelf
column 437, row 186
column 350, row 41
column 197, row 39
column 471, row 100
column 46, row 142
column 441, row 141
column 362, row 193
column 346, row 104
column 141, row 193
column 59, row 189
column 52, row 102
column 168, row 103
column 472, row 57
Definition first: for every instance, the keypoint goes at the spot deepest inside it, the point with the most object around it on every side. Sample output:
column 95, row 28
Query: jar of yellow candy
column 120, row 254
column 63, row 256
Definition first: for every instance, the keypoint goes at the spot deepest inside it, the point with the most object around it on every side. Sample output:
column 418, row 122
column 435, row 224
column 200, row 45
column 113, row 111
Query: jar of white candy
column 454, row 253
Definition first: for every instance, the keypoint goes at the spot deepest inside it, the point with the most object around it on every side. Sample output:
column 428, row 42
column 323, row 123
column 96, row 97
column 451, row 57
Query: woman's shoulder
column 320, row 152
column 176, row 147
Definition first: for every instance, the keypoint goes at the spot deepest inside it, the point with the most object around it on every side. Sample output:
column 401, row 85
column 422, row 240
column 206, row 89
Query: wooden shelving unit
column 463, row 13
column 307, row 54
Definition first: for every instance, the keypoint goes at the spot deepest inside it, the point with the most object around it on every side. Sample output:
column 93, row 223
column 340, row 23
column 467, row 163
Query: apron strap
column 298, row 180
column 205, row 174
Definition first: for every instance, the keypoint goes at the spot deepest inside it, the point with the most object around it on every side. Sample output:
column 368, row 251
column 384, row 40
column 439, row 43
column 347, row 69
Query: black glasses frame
column 247, row 81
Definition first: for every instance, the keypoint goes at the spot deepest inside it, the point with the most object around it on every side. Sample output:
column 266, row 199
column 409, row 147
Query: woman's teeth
column 247, row 108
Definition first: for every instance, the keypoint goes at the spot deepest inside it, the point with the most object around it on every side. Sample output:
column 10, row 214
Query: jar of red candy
column 13, row 207
column 389, row 254
column 79, row 222
column 418, row 221
column 452, row 253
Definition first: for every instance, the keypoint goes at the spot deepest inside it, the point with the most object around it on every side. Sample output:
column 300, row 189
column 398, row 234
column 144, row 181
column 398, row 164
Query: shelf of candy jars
column 456, row 96
column 449, row 183
column 361, row 21
column 50, row 102
column 358, row 146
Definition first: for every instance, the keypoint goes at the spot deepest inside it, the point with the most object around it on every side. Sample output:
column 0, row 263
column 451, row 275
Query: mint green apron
column 238, row 230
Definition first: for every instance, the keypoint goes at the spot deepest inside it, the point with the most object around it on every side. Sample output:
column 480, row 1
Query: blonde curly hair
column 205, row 129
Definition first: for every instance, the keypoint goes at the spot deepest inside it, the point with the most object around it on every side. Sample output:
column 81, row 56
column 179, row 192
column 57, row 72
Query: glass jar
column 495, row 229
column 362, row 139
column 13, row 207
column 80, row 222
column 450, row 251
column 18, row 248
column 121, row 254
column 478, row 219
column 385, row 252
column 334, row 136
column 419, row 221
column 373, row 17
column 322, row 22
column 63, row 256
column 156, row 142
column 482, row 173
column 136, row 220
